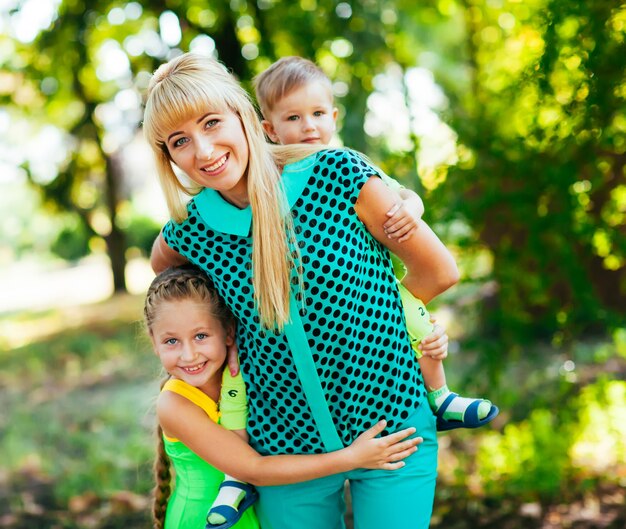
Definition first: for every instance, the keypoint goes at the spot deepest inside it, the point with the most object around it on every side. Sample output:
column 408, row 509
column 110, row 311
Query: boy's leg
column 315, row 504
column 450, row 407
column 234, row 495
column 400, row 498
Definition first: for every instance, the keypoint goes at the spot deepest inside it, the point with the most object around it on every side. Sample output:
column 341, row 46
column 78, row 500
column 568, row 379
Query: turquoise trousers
column 393, row 499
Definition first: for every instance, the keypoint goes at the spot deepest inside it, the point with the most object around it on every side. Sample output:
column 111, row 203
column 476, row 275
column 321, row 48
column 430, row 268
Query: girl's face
column 191, row 344
column 212, row 150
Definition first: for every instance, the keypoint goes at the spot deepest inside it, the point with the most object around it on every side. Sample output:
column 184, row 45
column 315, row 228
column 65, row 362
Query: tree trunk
column 116, row 239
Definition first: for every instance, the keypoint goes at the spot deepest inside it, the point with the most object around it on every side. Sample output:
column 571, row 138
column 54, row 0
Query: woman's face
column 212, row 150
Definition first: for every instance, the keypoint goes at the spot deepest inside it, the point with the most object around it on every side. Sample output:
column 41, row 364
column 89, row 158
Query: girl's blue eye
column 171, row 341
column 201, row 336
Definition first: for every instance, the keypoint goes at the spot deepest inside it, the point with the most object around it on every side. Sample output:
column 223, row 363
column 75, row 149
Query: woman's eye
column 211, row 123
column 180, row 141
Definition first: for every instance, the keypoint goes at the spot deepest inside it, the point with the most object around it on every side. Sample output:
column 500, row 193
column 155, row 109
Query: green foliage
column 72, row 242
column 533, row 96
column 553, row 453
column 141, row 232
column 528, row 460
column 541, row 162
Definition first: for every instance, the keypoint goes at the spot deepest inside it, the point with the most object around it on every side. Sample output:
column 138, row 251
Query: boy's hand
column 402, row 221
column 435, row 345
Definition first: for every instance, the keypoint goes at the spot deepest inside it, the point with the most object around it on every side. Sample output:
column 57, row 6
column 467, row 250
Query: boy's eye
column 318, row 113
column 171, row 341
column 292, row 118
column 201, row 336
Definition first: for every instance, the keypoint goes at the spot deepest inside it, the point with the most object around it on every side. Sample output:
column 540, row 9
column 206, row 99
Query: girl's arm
column 431, row 269
column 224, row 450
column 163, row 257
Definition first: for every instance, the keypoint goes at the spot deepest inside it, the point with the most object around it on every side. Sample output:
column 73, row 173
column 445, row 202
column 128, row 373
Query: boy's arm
column 431, row 269
column 403, row 217
column 163, row 257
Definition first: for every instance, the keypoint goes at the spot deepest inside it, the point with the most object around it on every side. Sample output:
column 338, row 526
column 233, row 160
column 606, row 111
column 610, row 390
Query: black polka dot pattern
column 351, row 314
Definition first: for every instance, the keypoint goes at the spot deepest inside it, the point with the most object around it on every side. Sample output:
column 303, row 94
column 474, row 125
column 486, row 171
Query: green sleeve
column 233, row 402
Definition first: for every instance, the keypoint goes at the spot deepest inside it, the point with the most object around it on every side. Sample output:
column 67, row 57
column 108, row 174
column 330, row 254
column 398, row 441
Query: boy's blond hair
column 282, row 77
column 190, row 85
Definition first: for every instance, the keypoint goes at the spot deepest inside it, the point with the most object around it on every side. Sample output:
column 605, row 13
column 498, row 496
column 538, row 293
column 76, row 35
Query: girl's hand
column 383, row 453
column 401, row 224
column 435, row 345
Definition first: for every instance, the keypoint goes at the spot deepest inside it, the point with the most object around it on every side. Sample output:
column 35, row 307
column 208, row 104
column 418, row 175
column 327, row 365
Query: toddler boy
column 296, row 100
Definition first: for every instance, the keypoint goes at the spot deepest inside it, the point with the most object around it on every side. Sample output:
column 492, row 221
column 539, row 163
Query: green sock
column 458, row 406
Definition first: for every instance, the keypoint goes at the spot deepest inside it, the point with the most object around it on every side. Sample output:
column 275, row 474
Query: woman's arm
column 224, row 450
column 163, row 257
column 431, row 269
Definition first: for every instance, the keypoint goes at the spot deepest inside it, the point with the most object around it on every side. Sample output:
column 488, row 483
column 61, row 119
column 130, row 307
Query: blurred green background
column 507, row 116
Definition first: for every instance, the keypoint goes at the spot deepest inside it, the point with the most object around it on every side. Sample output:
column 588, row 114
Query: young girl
column 292, row 238
column 191, row 328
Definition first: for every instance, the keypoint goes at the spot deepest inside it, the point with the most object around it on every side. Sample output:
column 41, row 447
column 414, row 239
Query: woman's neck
column 239, row 200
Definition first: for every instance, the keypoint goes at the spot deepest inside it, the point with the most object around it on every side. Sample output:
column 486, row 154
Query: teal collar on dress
column 222, row 216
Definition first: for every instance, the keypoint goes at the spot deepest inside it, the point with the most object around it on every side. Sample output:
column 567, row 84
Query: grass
column 78, row 401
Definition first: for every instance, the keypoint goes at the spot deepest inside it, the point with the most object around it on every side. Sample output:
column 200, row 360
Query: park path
column 33, row 286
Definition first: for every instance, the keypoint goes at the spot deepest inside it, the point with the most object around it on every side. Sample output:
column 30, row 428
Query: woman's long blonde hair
column 188, row 86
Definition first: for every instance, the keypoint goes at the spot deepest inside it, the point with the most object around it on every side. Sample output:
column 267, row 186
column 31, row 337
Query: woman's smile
column 212, row 150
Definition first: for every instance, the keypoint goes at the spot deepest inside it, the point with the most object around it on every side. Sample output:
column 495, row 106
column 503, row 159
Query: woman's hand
column 435, row 345
column 383, row 453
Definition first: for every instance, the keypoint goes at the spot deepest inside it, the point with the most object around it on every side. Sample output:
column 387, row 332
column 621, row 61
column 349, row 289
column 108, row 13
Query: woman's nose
column 204, row 149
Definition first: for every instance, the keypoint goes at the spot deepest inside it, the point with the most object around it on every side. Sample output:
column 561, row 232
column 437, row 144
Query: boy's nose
column 307, row 124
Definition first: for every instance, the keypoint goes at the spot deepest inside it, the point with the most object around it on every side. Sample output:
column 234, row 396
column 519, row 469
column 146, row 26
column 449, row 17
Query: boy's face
column 304, row 115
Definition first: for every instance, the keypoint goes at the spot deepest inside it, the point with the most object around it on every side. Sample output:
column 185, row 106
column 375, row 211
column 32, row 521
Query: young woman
column 292, row 237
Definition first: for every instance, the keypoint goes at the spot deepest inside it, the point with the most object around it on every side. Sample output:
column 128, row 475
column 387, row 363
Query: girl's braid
column 162, row 477
column 177, row 284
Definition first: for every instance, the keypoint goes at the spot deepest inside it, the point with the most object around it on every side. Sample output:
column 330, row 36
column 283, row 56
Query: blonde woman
column 292, row 237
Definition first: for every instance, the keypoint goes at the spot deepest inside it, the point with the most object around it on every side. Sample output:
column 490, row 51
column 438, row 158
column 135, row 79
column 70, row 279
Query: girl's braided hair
column 177, row 284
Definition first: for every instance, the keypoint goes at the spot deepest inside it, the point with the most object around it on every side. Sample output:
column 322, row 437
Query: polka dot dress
column 350, row 309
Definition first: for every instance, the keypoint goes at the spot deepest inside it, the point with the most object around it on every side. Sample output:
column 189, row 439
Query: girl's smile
column 191, row 344
column 212, row 150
